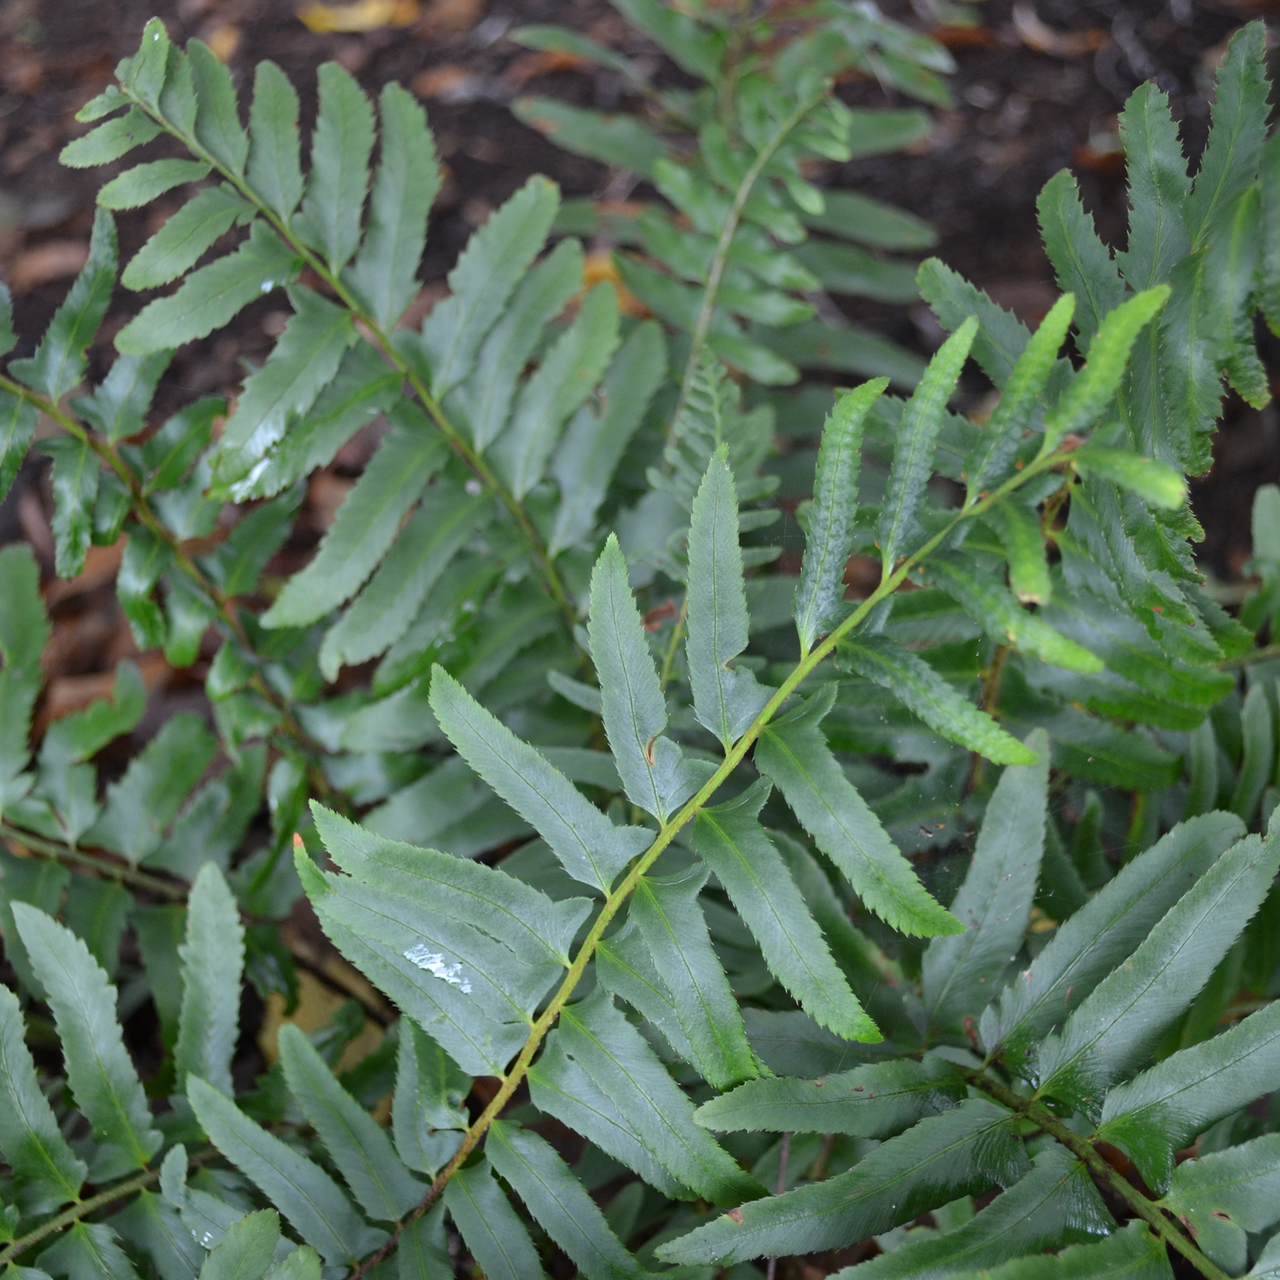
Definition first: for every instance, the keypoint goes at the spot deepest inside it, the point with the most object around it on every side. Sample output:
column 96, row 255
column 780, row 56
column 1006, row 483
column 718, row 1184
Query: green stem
column 670, row 829
column 720, row 258
column 673, row 645
column 486, row 475
column 77, row 1211
column 1164, row 1227
column 82, row 1208
column 381, row 340
column 731, row 65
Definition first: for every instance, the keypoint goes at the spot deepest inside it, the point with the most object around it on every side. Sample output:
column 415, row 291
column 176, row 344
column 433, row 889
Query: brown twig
column 105, row 864
column 82, row 1208
column 990, row 700
column 1165, row 1228
column 784, row 1156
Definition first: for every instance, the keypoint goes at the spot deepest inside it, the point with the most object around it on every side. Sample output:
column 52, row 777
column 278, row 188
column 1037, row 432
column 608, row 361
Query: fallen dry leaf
column 325, row 494
column 317, row 1003
column 861, row 577
column 478, row 147
column 73, row 693
column 363, row 15
column 356, row 454
column 476, row 212
column 1043, row 38
column 310, row 945
column 1212, row 58
column 41, row 138
column 610, row 29
column 1087, row 157
column 100, row 567
column 53, row 260
column 599, row 266
column 448, row 81
column 620, row 208
column 1102, row 152
column 540, row 63
column 657, row 616
column 320, row 998
column 426, row 298
column 21, row 70
column 223, row 41
column 957, row 37
column 981, row 412
column 34, row 522
column 448, row 17
column 78, row 643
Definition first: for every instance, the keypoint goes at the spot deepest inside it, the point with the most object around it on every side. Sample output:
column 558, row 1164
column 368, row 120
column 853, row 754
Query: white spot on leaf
column 433, row 962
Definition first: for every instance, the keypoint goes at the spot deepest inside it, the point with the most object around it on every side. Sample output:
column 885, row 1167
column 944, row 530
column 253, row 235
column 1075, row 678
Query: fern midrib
column 1165, row 1099
column 53, row 1172
column 1214, row 200
column 481, row 469
column 677, row 1134
column 1138, row 995
column 1083, row 1149
column 690, row 810
column 104, row 1080
column 874, row 871
column 721, row 667
column 477, row 726
column 518, row 1012
column 82, row 1208
column 719, row 259
column 76, row 334
column 973, row 936
column 659, row 994
column 767, row 899
column 624, row 671
column 910, row 467
column 838, row 524
column 723, row 1041
column 1017, row 1035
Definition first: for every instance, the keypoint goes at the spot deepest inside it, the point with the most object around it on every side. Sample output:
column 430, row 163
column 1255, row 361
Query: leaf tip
column 442, row 686
column 943, row 924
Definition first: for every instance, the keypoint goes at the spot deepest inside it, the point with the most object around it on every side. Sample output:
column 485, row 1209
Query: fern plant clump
column 730, row 255
column 721, row 917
